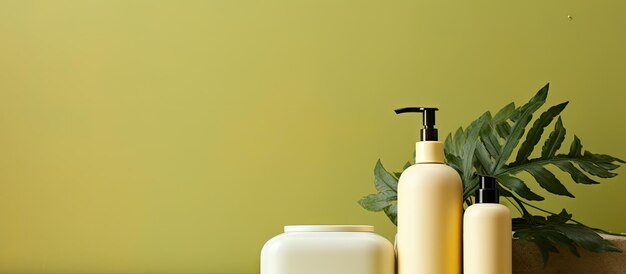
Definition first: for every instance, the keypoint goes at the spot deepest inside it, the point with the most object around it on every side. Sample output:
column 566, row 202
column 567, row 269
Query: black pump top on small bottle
column 428, row 132
column 487, row 191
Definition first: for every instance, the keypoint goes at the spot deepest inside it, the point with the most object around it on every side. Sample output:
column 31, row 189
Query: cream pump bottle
column 487, row 232
column 429, row 207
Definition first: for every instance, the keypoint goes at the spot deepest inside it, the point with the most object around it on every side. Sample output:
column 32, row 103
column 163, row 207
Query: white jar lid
column 329, row 228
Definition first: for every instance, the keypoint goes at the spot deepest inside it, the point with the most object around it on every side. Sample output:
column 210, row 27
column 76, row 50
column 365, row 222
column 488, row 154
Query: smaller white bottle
column 487, row 233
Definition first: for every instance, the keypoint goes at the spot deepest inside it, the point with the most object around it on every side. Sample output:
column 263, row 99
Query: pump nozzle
column 487, row 191
column 428, row 132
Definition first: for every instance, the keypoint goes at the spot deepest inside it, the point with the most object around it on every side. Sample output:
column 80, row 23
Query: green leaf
column 548, row 181
column 459, row 141
column 504, row 114
column 470, row 146
column 557, row 238
column 516, row 185
column 575, row 148
column 379, row 201
column 490, row 140
column 503, row 129
column 383, row 180
column 392, row 213
column 553, row 143
column 545, row 246
column 535, row 132
column 539, row 236
column 602, row 158
column 587, row 238
column 557, row 230
column 518, row 128
column 607, row 166
column 576, row 174
column 560, row 218
column 500, row 122
column 594, row 169
column 387, row 185
column 484, row 163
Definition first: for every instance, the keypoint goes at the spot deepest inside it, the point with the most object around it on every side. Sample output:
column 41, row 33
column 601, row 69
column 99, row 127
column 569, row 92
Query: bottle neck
column 429, row 152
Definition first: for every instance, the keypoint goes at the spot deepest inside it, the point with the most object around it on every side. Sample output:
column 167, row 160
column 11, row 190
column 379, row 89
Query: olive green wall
column 178, row 136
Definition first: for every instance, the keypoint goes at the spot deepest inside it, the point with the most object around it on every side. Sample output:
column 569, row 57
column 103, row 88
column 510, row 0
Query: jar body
column 327, row 250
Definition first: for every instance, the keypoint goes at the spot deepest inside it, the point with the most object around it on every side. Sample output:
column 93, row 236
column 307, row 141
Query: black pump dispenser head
column 428, row 132
column 487, row 191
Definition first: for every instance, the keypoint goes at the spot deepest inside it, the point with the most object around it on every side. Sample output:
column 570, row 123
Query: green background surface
column 179, row 136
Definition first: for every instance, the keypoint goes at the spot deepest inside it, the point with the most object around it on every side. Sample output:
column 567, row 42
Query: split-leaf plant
column 486, row 147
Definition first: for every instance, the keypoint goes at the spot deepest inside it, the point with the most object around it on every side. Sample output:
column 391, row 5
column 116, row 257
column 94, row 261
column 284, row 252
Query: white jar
column 328, row 249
